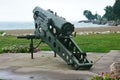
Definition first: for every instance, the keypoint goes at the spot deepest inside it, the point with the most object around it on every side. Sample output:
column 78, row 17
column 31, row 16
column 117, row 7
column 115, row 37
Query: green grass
column 98, row 42
column 88, row 43
column 8, row 41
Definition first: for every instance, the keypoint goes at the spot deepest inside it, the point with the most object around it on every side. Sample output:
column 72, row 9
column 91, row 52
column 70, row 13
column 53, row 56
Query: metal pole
column 31, row 48
column 55, row 54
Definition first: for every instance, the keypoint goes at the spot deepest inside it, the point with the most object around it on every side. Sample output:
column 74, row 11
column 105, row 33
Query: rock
column 115, row 68
column 3, row 34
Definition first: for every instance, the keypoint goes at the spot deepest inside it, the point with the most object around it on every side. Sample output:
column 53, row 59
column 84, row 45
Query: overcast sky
column 72, row 10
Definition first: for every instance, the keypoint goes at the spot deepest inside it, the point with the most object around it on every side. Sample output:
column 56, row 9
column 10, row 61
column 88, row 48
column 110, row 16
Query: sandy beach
column 112, row 29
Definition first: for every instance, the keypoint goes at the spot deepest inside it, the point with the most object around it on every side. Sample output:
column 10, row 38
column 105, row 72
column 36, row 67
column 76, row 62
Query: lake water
column 30, row 25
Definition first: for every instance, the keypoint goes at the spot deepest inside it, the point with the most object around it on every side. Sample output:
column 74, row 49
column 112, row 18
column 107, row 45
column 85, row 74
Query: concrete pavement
column 46, row 67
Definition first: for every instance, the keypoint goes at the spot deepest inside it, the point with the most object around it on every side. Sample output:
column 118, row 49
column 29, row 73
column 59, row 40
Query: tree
column 88, row 14
column 109, row 14
column 116, row 9
column 97, row 16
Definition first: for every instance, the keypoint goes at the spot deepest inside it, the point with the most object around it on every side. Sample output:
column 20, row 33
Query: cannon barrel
column 21, row 37
column 59, row 23
column 28, row 37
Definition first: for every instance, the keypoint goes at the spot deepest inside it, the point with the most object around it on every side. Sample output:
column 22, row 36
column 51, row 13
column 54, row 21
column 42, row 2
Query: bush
column 18, row 49
column 15, row 49
column 1, row 32
column 106, row 76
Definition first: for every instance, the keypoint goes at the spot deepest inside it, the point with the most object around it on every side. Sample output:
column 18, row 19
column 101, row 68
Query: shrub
column 106, row 76
column 15, row 49
column 1, row 32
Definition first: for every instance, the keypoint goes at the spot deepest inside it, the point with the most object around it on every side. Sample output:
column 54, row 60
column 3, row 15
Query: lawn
column 98, row 42
column 88, row 43
column 10, row 41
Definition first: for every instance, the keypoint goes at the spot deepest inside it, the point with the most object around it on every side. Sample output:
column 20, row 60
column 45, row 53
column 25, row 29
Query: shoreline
column 113, row 29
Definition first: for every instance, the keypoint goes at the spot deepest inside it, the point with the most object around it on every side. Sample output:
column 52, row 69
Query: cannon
column 56, row 32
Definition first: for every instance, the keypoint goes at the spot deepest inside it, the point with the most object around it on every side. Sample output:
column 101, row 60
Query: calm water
column 16, row 25
column 30, row 25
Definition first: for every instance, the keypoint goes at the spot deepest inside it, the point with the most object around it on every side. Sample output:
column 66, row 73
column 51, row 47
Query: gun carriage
column 57, row 33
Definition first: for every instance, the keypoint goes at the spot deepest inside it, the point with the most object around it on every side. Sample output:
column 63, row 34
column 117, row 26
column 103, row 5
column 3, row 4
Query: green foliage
column 98, row 17
column 105, row 76
column 88, row 14
column 11, row 42
column 1, row 32
column 15, row 49
column 7, row 41
column 116, row 8
column 109, row 14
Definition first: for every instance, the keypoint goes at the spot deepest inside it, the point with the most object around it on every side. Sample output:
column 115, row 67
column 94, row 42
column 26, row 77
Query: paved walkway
column 103, row 65
column 21, row 67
